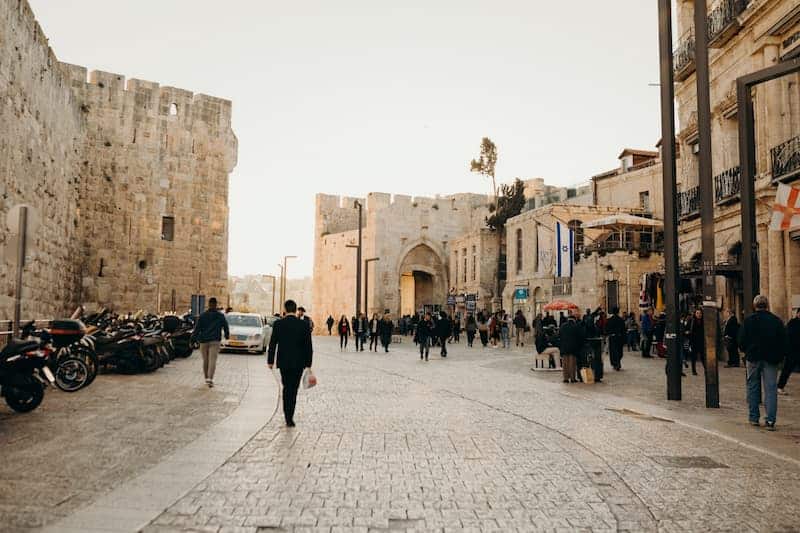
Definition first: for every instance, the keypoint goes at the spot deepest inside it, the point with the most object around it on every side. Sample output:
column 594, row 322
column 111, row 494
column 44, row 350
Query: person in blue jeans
column 763, row 339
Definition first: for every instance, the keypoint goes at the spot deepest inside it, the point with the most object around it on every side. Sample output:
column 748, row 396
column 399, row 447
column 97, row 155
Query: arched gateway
column 423, row 281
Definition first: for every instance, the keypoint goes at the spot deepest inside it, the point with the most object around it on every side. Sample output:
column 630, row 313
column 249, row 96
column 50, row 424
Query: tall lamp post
column 270, row 276
column 358, row 205
column 668, row 166
column 710, row 311
column 366, row 281
column 284, row 276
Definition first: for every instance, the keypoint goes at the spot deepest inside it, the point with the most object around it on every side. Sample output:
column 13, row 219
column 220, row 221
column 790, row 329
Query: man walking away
column 329, row 323
column 731, row 339
column 471, row 327
column 443, row 331
column 647, row 331
column 360, row 327
column 632, row 328
column 763, row 339
column 793, row 354
column 301, row 314
column 520, row 323
column 208, row 332
column 615, row 329
column 424, row 332
column 572, row 340
column 291, row 345
column 385, row 330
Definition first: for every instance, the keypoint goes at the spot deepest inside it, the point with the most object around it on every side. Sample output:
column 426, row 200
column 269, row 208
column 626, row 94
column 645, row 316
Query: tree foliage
column 486, row 162
column 510, row 203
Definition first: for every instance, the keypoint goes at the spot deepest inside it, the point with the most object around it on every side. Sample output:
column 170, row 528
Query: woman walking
column 483, row 329
column 697, row 340
column 344, row 332
column 374, row 323
column 423, row 336
column 385, row 330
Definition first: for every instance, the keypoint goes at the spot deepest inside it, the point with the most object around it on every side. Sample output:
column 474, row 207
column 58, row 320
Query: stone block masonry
column 131, row 180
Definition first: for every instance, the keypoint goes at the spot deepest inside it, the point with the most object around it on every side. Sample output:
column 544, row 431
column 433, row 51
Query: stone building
column 744, row 36
column 130, row 181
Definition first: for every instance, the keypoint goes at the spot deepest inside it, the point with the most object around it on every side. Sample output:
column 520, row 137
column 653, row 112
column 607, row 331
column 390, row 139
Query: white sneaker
column 782, row 392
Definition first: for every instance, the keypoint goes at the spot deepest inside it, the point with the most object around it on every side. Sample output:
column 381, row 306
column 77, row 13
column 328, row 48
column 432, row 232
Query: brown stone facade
column 130, row 181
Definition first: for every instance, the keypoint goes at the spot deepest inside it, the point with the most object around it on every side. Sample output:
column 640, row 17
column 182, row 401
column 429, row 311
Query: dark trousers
column 360, row 337
column 443, row 340
column 484, row 337
column 633, row 340
column 615, row 345
column 648, row 344
column 373, row 341
column 470, row 337
column 597, row 359
column 424, row 347
column 342, row 341
column 733, row 352
column 290, row 378
column 789, row 365
column 386, row 340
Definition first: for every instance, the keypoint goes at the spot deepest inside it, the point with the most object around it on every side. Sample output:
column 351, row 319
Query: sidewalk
column 641, row 388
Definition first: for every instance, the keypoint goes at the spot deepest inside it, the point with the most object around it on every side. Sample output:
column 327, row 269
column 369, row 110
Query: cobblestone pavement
column 76, row 447
column 387, row 442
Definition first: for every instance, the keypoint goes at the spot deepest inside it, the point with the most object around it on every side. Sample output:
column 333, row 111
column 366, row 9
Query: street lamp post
column 710, row 310
column 674, row 369
column 360, row 207
column 366, row 281
column 270, row 276
column 285, row 277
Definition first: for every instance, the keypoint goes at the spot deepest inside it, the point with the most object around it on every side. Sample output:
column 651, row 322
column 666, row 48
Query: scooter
column 24, row 374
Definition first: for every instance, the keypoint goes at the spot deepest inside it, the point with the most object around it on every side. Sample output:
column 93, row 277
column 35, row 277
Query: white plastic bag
column 309, row 379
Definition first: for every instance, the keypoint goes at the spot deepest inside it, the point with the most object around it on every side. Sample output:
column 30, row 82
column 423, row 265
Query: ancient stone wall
column 154, row 156
column 41, row 133
column 110, row 168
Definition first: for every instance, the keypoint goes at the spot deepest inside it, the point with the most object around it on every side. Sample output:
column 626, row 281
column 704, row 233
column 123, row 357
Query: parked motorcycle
column 24, row 374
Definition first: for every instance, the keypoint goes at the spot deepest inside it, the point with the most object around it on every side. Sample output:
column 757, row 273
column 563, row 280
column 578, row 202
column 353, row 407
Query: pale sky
column 353, row 96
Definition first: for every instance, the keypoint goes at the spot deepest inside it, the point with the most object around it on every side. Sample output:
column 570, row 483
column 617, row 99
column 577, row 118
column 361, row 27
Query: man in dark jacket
column 291, row 345
column 763, row 339
column 793, row 354
column 616, row 330
column 360, row 331
column 385, row 330
column 443, row 331
column 329, row 323
column 730, row 337
column 572, row 338
column 423, row 333
column 208, row 332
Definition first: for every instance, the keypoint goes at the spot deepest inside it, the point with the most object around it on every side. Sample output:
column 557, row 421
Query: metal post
column 670, row 194
column 366, row 281
column 710, row 311
column 747, row 165
column 280, row 303
column 359, row 206
column 22, row 236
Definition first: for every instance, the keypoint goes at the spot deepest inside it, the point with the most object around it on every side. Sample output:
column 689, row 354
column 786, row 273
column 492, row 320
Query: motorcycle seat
column 16, row 346
column 150, row 341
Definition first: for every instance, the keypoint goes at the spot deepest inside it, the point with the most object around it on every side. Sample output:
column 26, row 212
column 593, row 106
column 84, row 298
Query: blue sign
column 521, row 294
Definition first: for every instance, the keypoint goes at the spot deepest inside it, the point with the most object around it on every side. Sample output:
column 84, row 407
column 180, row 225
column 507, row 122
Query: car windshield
column 244, row 320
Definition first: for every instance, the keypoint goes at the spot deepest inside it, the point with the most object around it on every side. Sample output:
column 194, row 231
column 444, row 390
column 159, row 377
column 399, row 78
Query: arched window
column 519, row 250
column 577, row 227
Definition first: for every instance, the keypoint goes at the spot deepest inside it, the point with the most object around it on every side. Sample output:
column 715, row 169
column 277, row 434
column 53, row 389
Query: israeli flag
column 565, row 239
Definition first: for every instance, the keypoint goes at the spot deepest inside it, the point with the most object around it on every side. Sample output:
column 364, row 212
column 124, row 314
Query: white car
column 248, row 333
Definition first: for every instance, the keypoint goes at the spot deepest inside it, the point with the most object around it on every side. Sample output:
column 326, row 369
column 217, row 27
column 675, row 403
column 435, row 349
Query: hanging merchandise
column 660, row 297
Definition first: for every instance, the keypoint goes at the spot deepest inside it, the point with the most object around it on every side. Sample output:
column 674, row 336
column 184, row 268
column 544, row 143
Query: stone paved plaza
column 475, row 442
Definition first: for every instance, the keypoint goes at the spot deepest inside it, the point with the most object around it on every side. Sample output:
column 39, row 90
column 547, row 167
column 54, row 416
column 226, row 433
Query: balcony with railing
column 786, row 160
column 723, row 22
column 689, row 203
column 613, row 245
column 728, row 185
column 683, row 58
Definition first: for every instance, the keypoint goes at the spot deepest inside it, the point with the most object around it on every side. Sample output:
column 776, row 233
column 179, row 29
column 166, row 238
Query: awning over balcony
column 623, row 222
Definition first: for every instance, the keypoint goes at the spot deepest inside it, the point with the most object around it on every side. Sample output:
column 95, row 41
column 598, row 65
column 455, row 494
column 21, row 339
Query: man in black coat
column 763, row 339
column 572, row 338
column 793, row 354
column 731, row 338
column 443, row 331
column 291, row 345
column 616, row 330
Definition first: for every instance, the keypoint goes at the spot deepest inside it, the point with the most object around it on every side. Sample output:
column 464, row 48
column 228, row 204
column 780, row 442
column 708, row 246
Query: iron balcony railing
column 786, row 159
column 689, row 203
column 722, row 21
column 728, row 185
column 617, row 246
column 683, row 58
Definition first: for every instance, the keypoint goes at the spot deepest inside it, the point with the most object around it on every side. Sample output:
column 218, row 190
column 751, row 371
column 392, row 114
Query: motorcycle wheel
column 72, row 374
column 150, row 360
column 25, row 398
column 92, row 364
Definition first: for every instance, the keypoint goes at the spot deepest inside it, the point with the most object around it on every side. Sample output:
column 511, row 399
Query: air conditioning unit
column 795, row 235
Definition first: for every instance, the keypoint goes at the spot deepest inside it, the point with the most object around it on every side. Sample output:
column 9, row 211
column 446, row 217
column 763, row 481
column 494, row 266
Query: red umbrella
column 560, row 305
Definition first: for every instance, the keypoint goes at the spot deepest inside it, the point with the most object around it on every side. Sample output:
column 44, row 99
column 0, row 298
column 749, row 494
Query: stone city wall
column 104, row 162
column 41, row 133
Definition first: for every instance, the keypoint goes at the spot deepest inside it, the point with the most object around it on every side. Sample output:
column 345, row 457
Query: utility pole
column 710, row 311
column 668, row 166
column 22, row 235
column 270, row 276
column 285, row 277
column 366, row 281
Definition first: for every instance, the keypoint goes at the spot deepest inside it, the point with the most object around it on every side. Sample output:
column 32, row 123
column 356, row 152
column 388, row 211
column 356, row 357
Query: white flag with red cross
column 786, row 211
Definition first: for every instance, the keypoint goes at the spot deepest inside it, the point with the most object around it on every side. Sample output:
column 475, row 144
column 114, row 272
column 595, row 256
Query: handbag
column 309, row 379
column 587, row 375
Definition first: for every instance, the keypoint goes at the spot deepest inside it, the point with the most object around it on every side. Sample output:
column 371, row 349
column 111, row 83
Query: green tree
column 486, row 163
column 510, row 203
